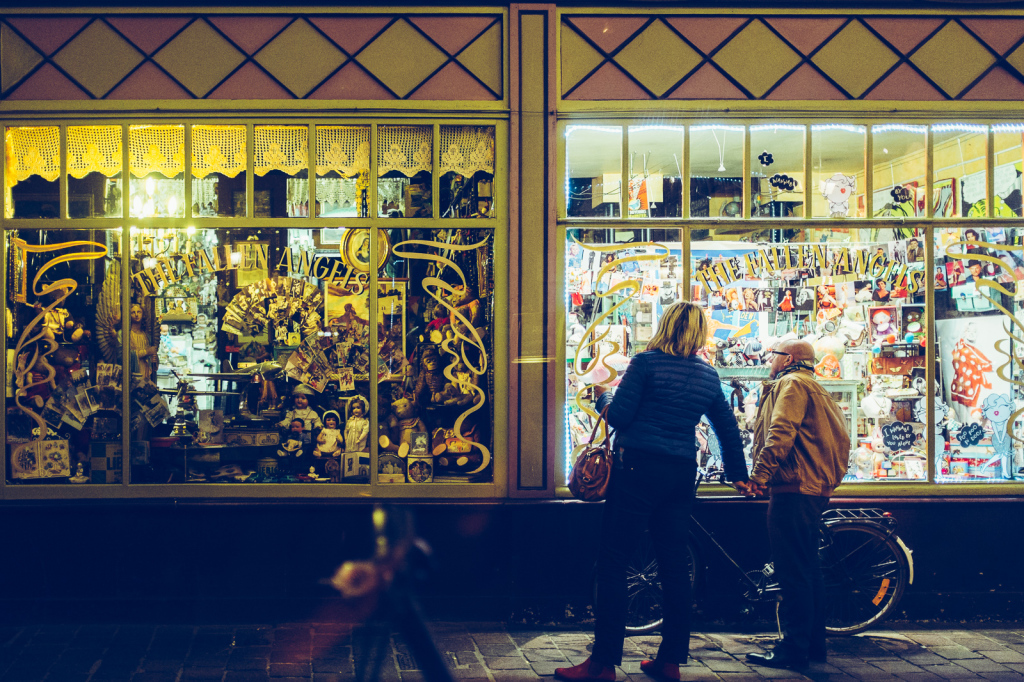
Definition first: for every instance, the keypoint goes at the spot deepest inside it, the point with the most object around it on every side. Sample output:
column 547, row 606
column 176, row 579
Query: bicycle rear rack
column 879, row 517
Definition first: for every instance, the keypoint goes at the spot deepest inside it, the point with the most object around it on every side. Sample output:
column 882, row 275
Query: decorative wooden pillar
column 533, row 293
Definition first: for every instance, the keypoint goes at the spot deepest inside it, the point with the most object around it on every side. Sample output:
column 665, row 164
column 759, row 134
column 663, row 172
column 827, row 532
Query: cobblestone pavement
column 474, row 651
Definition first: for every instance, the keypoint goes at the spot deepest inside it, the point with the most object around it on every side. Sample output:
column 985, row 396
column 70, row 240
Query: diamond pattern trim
column 607, row 33
column 806, row 35
column 48, row 84
column 200, row 76
column 653, row 74
column 483, row 59
column 1000, row 34
column 706, row 33
column 756, row 58
column 904, row 84
column 1016, row 59
column 806, row 83
column 351, row 82
column 904, row 34
column 17, row 58
column 952, row 75
column 300, row 58
column 578, row 58
column 148, row 33
column 707, row 83
column 49, row 33
column 855, row 58
column 998, row 84
column 98, row 58
column 401, row 58
column 452, row 33
column 250, row 33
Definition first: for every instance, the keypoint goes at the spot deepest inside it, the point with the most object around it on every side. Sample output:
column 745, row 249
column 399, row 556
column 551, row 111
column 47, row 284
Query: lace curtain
column 32, row 151
column 466, row 150
column 282, row 148
column 156, row 149
column 94, row 149
column 406, row 149
column 218, row 149
column 343, row 149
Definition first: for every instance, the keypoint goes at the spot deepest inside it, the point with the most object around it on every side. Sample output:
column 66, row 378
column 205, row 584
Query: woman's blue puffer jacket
column 659, row 402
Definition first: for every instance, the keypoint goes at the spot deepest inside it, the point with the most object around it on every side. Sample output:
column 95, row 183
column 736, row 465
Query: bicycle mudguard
column 909, row 554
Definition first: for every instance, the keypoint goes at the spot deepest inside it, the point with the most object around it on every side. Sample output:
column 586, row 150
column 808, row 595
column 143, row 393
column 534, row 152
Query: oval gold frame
column 348, row 244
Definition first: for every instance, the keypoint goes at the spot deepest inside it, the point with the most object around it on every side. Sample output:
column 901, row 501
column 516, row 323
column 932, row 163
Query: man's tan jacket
column 800, row 440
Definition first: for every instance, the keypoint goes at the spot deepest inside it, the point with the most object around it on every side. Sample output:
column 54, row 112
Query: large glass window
column 156, row 188
column 898, row 171
column 218, row 171
column 837, row 170
column 716, row 171
column 960, row 175
column 65, row 379
column 32, row 173
column 777, row 175
column 593, row 171
column 405, row 171
column 95, row 163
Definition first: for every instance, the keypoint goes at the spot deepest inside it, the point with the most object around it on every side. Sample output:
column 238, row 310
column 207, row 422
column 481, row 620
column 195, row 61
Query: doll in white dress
column 328, row 441
column 357, row 426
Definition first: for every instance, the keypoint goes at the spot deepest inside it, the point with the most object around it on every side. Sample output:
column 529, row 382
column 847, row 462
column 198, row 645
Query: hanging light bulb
column 172, row 206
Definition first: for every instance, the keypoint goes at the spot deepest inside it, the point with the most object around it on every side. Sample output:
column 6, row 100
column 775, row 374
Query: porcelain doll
column 302, row 410
column 357, row 426
column 328, row 441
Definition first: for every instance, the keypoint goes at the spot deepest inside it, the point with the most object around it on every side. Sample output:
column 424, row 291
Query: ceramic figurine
column 302, row 410
column 357, row 426
column 328, row 441
column 79, row 476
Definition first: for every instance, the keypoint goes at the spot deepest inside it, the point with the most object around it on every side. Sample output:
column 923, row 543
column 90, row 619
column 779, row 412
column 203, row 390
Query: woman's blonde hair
column 683, row 330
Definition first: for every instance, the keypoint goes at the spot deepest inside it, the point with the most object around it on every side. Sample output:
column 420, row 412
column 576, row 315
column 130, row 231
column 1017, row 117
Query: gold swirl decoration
column 633, row 284
column 433, row 285
column 28, row 337
column 984, row 284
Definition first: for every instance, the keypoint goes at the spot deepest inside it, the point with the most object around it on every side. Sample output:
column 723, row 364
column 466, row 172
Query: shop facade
column 509, row 196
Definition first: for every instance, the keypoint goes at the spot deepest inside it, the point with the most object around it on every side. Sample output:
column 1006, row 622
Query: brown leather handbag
column 592, row 471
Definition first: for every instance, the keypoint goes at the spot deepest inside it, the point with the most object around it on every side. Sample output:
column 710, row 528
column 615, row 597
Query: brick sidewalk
column 474, row 651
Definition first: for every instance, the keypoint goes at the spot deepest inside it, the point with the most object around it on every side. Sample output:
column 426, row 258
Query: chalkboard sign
column 970, row 434
column 898, row 436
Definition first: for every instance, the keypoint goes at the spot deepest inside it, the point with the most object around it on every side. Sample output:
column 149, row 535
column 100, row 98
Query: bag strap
column 608, row 428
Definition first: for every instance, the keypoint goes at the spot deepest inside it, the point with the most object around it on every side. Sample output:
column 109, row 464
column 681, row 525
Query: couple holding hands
column 801, row 451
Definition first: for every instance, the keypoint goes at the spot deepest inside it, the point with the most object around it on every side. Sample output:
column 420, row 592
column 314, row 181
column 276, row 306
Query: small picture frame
column 390, row 469
column 421, row 469
column 420, row 444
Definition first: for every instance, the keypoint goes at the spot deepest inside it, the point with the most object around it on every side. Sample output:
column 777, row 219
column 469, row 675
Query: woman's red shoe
column 587, row 671
column 660, row 671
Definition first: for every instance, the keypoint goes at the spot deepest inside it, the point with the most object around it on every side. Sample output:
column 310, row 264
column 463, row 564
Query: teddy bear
column 387, row 423
column 409, row 422
column 454, row 455
column 430, row 383
column 463, row 299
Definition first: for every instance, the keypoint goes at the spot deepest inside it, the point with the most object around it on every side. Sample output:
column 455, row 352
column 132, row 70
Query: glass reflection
column 837, row 171
column 960, row 178
column 655, row 172
column 898, row 170
column 716, row 171
column 777, row 160
column 593, row 171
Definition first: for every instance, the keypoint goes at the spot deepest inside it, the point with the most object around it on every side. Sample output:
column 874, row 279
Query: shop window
column 281, row 169
column 156, row 188
column 960, row 178
column 405, row 167
column 617, row 289
column 343, row 171
column 64, row 397
column 218, row 171
column 777, row 171
column 716, row 171
column 655, row 172
column 593, row 171
column 861, row 301
column 32, row 172
column 435, row 320
column 467, row 172
column 1009, row 152
column 897, row 170
column 95, row 162
column 978, row 275
column 837, row 171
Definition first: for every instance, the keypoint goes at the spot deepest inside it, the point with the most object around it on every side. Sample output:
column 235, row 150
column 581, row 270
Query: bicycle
column 867, row 567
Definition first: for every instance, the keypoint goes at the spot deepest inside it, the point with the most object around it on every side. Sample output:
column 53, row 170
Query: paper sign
column 970, row 434
column 898, row 436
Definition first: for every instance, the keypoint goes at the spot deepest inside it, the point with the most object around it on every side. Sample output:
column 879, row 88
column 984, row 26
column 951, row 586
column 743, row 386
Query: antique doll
column 328, row 441
column 291, row 445
column 357, row 426
column 302, row 410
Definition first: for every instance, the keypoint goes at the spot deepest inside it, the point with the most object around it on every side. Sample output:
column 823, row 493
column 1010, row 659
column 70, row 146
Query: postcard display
column 859, row 297
column 250, row 356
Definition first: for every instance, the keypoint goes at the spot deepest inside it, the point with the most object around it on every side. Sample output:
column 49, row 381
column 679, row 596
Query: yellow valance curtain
column 467, row 149
column 32, row 151
column 406, row 149
column 94, row 149
column 218, row 149
column 343, row 149
column 156, row 149
column 282, row 148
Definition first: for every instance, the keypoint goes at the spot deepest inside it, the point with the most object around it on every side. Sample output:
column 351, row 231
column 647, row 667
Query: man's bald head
column 800, row 351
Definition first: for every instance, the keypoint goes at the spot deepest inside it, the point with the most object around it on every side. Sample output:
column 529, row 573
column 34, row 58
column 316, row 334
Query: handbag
column 592, row 470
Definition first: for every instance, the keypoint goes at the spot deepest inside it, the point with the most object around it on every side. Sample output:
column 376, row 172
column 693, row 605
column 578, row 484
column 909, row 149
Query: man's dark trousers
column 793, row 528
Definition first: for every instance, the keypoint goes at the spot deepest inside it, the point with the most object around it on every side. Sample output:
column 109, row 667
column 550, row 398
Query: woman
column 880, row 294
column 655, row 411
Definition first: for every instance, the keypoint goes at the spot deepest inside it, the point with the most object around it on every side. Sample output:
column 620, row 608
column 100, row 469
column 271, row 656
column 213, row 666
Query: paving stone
column 513, row 675
column 982, row 665
column 496, row 650
column 545, row 655
column 923, row 657
column 333, row 665
column 1004, row 656
column 975, row 643
column 291, row 669
column 506, row 662
column 155, row 677
column 1007, row 676
column 950, row 671
column 919, row 676
column 546, row 667
column 202, row 673
column 730, row 665
column 897, row 666
column 955, row 652
column 246, row 676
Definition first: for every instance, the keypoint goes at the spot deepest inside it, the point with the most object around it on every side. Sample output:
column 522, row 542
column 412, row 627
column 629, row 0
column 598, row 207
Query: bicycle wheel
column 865, row 572
column 643, row 586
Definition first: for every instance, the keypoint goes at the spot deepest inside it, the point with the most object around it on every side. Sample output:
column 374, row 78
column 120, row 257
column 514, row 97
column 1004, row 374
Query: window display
column 342, row 170
column 593, row 171
column 64, row 381
column 405, row 171
column 32, row 172
column 467, row 172
column 777, row 163
column 157, row 164
column 94, row 171
column 281, row 167
column 960, row 175
column 218, row 171
column 716, row 171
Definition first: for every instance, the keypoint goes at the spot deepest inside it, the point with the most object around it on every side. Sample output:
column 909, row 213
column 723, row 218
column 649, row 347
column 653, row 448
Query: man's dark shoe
column 777, row 659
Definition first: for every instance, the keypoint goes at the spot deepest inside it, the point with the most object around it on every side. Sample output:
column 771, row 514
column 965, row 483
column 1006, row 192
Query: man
column 974, row 268
column 914, row 251
column 801, row 451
